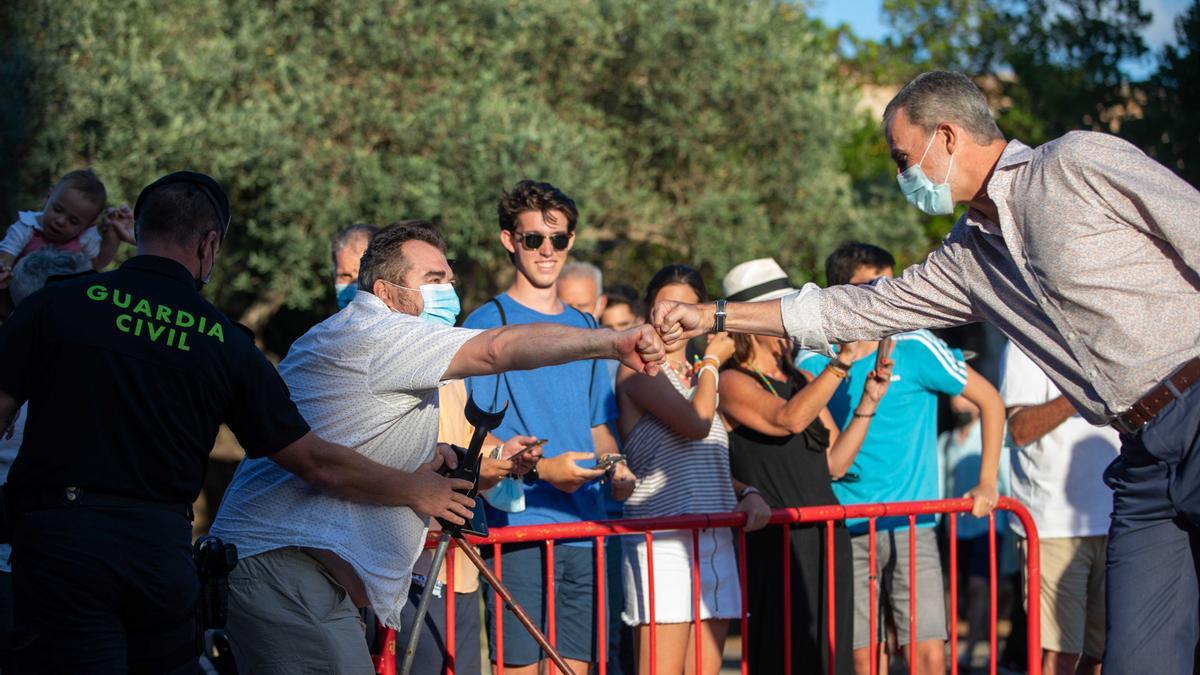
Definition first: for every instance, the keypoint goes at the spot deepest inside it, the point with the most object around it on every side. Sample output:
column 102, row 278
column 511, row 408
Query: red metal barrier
column 829, row 515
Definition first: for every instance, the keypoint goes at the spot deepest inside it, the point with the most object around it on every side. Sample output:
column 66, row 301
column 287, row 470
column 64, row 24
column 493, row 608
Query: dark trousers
column 1153, row 598
column 104, row 590
column 431, row 657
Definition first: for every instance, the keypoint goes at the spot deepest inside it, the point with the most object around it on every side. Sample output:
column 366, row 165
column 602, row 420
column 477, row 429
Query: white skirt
column 720, row 593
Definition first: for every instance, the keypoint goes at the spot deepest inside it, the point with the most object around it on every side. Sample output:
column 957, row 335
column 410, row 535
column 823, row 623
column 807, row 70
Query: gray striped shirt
column 1091, row 271
column 677, row 476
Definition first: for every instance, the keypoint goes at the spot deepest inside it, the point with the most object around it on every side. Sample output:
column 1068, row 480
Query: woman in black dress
column 780, row 445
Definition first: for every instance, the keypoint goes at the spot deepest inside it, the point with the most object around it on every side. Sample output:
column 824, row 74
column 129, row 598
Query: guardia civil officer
column 128, row 375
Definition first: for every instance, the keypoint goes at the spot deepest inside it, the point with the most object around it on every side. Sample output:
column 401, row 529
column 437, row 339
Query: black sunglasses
column 534, row 240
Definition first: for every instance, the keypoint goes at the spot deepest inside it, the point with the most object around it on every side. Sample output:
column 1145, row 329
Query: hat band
column 761, row 289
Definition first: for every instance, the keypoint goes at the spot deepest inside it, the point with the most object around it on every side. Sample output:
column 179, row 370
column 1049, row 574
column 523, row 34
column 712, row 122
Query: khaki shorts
column 287, row 616
column 1072, row 601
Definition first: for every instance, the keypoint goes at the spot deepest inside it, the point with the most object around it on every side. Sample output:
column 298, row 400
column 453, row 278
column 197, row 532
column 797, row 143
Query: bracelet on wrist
column 839, row 369
column 859, row 414
column 716, row 373
column 747, row 491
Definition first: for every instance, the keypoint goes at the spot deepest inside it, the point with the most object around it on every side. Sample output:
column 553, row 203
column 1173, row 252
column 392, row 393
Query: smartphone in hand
column 532, row 446
column 608, row 461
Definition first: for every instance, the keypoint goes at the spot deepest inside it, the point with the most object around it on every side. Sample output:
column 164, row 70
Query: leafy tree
column 699, row 131
column 1167, row 130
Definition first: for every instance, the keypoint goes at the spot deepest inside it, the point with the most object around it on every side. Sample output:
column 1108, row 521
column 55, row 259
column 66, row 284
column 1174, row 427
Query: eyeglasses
column 534, row 240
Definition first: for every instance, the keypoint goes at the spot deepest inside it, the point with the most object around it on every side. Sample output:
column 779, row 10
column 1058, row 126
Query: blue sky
column 865, row 18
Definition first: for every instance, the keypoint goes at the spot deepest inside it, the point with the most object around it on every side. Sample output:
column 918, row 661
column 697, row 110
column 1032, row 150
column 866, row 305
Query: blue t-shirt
column 560, row 403
column 899, row 456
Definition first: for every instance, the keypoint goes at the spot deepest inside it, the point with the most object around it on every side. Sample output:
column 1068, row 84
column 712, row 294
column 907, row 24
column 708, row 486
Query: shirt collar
column 1015, row 154
column 30, row 218
column 159, row 265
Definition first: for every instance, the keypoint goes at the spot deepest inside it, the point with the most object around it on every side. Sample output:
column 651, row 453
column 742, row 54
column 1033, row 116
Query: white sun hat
column 761, row 279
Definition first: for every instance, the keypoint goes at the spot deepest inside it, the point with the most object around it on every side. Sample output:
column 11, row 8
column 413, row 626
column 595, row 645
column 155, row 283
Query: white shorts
column 720, row 593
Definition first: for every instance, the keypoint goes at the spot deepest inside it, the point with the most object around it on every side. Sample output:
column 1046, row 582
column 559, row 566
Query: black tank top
column 789, row 470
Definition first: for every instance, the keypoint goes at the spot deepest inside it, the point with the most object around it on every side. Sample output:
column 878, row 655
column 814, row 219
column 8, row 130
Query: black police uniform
column 128, row 375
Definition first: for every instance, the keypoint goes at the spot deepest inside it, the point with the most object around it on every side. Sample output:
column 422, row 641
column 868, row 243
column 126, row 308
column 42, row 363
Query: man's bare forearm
column 529, row 346
column 1027, row 424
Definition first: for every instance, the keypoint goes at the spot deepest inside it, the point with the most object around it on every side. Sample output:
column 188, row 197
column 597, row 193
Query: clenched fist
column 677, row 321
column 641, row 349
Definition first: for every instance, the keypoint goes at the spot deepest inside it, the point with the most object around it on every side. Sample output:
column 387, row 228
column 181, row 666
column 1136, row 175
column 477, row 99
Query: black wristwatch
column 747, row 491
column 719, row 318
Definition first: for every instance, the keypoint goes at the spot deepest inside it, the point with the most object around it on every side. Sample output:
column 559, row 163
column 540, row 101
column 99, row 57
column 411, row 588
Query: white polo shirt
column 366, row 377
column 1059, row 476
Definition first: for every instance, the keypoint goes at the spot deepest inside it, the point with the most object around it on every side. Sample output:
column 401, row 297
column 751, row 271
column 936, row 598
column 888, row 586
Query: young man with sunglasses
column 569, row 405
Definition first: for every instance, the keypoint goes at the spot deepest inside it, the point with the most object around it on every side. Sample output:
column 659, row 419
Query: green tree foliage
column 1050, row 65
column 1168, row 129
column 700, row 131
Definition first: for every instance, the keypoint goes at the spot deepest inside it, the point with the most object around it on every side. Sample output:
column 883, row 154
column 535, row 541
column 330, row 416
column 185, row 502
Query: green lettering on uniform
column 202, row 322
column 184, row 320
column 97, row 292
column 143, row 307
column 117, row 299
column 124, row 328
column 217, row 331
column 183, row 342
column 154, row 335
column 171, row 338
column 163, row 314
column 137, row 327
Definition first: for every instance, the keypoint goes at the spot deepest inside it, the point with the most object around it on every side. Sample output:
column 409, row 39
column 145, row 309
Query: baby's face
column 67, row 213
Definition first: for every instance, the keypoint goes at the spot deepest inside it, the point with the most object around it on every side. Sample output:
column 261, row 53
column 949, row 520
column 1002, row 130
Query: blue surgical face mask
column 508, row 495
column 345, row 293
column 440, row 300
column 921, row 192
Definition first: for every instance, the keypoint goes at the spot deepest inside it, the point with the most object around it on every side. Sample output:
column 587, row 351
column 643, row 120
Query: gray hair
column 584, row 270
column 32, row 271
column 944, row 96
column 344, row 237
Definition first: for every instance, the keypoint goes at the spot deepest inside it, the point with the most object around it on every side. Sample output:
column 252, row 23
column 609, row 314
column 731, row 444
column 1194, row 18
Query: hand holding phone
column 608, row 461
column 532, row 446
column 884, row 352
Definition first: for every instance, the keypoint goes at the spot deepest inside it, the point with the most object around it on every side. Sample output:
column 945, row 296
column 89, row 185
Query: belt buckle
column 1123, row 426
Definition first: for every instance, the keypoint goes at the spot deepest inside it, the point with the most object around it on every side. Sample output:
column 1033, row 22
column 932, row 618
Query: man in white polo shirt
column 1057, row 471
column 369, row 376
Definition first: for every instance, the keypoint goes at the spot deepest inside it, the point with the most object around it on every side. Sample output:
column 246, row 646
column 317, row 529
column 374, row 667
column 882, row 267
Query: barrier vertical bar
column 831, row 594
column 550, row 601
column 872, row 597
column 499, row 613
column 912, row 595
column 954, row 595
column 451, row 655
column 992, row 579
column 696, row 622
column 745, row 601
column 787, row 598
column 650, row 584
column 601, row 615
column 386, row 662
column 1033, row 593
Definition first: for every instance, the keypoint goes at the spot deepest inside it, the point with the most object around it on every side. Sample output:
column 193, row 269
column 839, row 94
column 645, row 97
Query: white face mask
column 441, row 304
column 921, row 192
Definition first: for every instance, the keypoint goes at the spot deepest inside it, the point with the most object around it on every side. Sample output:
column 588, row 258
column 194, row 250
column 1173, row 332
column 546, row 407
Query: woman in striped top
column 677, row 444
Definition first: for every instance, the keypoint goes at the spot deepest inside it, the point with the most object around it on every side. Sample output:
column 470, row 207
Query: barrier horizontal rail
column 599, row 530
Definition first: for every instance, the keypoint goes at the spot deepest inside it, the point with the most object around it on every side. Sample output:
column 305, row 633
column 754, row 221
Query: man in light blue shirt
column 898, row 461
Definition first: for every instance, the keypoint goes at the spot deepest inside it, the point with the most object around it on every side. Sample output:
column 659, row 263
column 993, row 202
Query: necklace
column 681, row 369
column 765, row 381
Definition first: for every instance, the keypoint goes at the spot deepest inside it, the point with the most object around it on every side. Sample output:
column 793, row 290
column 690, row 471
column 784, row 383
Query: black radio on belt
column 214, row 561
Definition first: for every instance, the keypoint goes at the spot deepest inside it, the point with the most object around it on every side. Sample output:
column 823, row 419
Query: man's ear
column 953, row 138
column 601, row 305
column 508, row 241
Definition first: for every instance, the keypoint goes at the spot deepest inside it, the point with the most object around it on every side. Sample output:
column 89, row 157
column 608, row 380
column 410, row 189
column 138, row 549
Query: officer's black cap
column 205, row 183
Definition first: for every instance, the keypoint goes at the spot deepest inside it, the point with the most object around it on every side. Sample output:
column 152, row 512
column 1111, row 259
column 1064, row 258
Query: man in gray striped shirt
column 1086, row 253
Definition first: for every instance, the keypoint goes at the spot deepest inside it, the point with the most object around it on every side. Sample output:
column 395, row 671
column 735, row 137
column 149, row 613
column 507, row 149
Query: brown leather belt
column 1139, row 414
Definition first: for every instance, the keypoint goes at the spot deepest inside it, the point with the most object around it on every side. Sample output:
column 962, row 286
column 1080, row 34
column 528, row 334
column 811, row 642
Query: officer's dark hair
column 531, row 195
column 624, row 294
column 842, row 264
column 384, row 257
column 179, row 213
column 343, row 237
